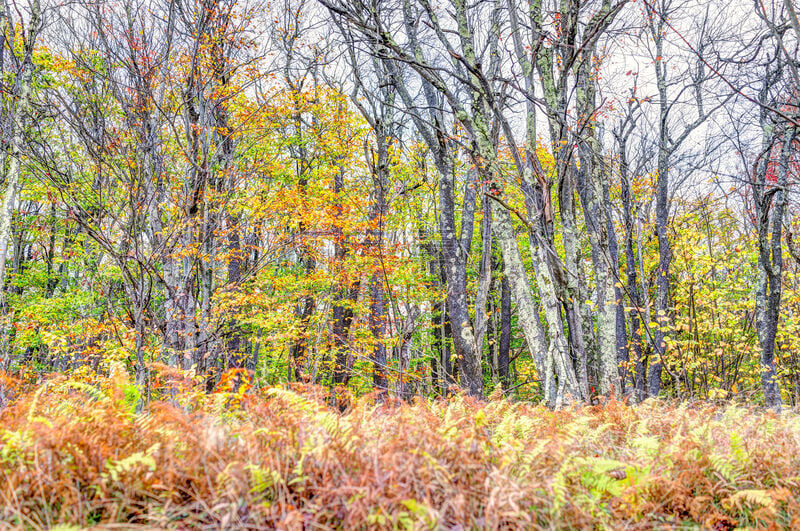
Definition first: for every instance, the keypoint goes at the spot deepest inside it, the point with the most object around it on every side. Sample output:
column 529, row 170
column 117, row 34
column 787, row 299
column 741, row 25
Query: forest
column 405, row 264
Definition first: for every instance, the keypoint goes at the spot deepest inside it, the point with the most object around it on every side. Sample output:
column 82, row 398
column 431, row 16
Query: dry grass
column 76, row 453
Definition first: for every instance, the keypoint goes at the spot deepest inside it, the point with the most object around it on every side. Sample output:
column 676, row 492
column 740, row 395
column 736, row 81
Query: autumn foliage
column 336, row 264
column 75, row 451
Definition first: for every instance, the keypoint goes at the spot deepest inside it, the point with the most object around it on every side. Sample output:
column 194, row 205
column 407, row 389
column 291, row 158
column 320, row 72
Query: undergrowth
column 75, row 452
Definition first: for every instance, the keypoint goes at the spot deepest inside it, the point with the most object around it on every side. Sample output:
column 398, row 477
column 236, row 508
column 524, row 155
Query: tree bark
column 14, row 154
column 770, row 262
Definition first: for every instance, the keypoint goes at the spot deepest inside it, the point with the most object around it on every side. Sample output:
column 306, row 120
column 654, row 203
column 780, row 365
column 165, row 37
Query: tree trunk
column 454, row 259
column 619, row 308
column 14, row 154
column 504, row 346
column 377, row 218
column 662, row 277
column 640, row 370
column 770, row 266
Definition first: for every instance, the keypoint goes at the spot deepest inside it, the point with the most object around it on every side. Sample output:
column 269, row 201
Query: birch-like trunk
column 605, row 291
column 17, row 122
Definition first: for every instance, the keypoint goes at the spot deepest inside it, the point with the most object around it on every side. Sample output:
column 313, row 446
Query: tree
column 669, row 142
column 770, row 189
column 18, row 111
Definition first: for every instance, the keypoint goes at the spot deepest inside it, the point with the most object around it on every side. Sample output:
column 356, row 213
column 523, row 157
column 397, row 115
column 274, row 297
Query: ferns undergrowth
column 76, row 453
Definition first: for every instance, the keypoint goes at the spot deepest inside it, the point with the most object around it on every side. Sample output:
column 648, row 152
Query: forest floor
column 76, row 452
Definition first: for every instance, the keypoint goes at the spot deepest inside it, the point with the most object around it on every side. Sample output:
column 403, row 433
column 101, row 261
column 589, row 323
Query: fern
column 753, row 497
column 723, row 466
column 285, row 459
column 116, row 468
